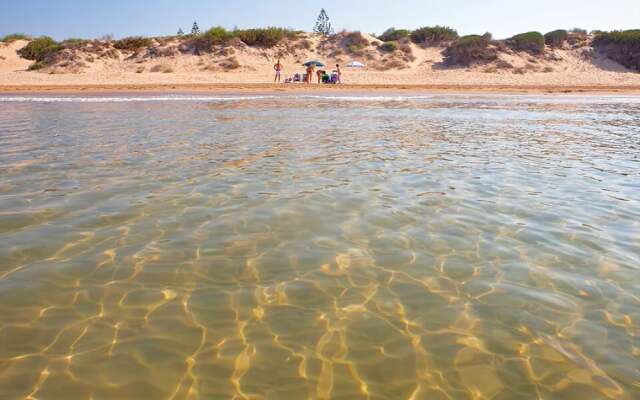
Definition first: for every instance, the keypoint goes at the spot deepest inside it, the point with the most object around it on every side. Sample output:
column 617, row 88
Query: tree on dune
column 323, row 25
column 180, row 32
column 195, row 30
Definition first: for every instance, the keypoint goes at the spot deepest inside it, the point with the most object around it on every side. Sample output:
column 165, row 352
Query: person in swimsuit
column 278, row 67
column 339, row 73
column 310, row 70
column 320, row 73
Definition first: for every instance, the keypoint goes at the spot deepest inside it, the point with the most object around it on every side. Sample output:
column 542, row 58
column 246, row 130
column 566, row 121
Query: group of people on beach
column 311, row 69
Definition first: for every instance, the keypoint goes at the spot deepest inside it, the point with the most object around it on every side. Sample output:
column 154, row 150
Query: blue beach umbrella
column 314, row 63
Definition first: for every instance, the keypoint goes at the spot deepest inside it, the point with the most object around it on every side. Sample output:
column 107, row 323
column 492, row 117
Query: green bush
column 14, row 37
column 580, row 32
column 470, row 49
column 389, row 47
column 531, row 42
column 264, row 37
column 620, row 46
column 556, row 38
column 434, row 35
column 393, row 35
column 217, row 35
column 39, row 49
column 74, row 42
column 133, row 43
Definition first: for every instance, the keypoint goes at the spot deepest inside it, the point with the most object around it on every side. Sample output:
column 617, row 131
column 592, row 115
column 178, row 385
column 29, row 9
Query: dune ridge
column 166, row 64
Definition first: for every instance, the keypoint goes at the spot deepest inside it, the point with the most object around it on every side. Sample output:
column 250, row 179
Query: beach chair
column 334, row 78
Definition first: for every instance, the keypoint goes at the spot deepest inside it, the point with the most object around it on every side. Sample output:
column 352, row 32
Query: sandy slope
column 567, row 68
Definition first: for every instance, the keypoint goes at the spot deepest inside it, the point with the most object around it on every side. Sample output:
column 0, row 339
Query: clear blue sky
column 88, row 18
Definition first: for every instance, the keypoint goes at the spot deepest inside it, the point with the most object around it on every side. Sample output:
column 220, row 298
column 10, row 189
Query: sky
column 63, row 19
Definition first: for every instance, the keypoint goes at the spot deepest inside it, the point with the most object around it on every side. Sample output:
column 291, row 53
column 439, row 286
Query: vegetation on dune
column 556, row 38
column 434, row 35
column 74, row 41
column 14, row 37
column 389, row 47
column 470, row 49
column 264, row 37
column 393, row 34
column 620, row 46
column 531, row 42
column 133, row 43
column 217, row 35
column 40, row 49
column 579, row 32
column 195, row 29
column 354, row 42
column 323, row 24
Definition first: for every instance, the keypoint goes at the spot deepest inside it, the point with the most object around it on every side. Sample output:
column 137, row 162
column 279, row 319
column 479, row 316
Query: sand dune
column 240, row 64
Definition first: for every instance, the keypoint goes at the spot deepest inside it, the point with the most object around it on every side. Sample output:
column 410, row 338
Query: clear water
column 309, row 247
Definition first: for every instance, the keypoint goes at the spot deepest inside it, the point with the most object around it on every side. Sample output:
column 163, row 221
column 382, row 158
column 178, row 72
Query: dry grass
column 162, row 68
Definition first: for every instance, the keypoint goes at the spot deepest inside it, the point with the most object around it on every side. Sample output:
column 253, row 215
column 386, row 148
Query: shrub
column 492, row 69
column 265, row 37
column 217, row 35
column 620, row 46
column 434, row 35
column 304, row 45
column 165, row 69
column 204, row 42
column 556, row 38
column 470, row 49
column 405, row 48
column 393, row 34
column 37, row 65
column 14, row 37
column 389, row 47
column 231, row 63
column 354, row 41
column 502, row 64
column 580, row 32
column 532, row 42
column 133, row 43
column 39, row 49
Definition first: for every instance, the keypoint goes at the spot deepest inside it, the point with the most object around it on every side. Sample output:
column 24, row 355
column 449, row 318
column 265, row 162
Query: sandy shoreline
column 248, row 88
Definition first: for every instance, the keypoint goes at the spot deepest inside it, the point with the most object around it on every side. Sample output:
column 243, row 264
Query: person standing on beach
column 310, row 69
column 278, row 67
column 339, row 73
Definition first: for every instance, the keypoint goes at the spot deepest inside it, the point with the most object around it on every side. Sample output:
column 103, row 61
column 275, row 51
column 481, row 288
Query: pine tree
column 180, row 32
column 196, row 29
column 323, row 25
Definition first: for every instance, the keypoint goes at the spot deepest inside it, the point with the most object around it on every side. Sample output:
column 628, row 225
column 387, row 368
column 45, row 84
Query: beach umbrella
column 314, row 63
column 355, row 64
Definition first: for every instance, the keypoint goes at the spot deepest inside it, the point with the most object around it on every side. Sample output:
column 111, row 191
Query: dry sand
column 567, row 71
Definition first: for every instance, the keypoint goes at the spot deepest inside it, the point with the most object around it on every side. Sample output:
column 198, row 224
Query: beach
column 566, row 72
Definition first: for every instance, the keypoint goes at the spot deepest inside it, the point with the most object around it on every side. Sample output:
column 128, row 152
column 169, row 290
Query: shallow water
column 427, row 247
